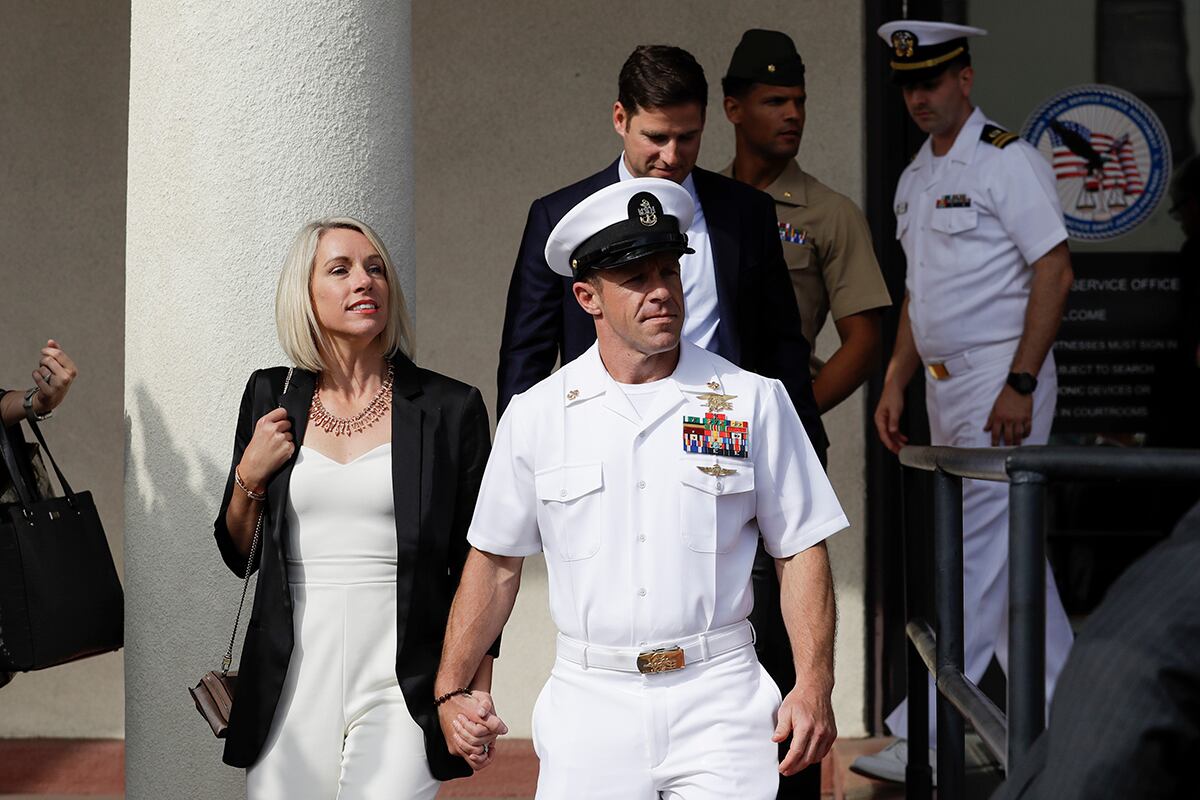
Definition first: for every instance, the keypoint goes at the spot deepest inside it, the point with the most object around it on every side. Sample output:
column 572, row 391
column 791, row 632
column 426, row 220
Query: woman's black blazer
column 440, row 444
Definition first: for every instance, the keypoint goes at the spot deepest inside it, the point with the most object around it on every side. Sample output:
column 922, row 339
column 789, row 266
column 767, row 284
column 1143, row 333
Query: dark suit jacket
column 440, row 444
column 1125, row 721
column 760, row 324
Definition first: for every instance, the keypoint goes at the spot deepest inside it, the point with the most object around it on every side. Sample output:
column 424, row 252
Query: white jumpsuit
column 342, row 729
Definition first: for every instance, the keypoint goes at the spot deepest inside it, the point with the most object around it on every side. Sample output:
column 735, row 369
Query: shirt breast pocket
column 954, row 220
column 569, row 508
column 798, row 256
column 713, row 509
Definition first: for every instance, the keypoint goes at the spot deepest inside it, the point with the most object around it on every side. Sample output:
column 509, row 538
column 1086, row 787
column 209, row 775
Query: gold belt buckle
column 661, row 660
column 938, row 371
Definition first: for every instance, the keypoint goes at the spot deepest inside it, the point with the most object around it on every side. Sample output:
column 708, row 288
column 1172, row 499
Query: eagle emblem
column 904, row 42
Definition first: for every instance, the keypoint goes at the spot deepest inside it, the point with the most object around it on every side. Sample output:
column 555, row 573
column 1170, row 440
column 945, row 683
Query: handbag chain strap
column 227, row 661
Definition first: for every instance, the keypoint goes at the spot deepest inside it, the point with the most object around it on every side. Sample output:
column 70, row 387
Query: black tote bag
column 60, row 597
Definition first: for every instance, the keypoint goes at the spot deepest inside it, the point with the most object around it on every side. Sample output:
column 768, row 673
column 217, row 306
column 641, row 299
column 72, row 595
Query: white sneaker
column 890, row 762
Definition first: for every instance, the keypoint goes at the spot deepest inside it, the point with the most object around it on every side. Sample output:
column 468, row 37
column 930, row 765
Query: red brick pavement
column 62, row 766
column 92, row 767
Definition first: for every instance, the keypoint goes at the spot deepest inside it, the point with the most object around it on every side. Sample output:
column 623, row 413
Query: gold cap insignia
column 770, row 67
column 904, row 43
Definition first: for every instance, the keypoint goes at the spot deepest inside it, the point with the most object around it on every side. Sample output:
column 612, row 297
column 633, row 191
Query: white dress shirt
column 698, row 273
column 641, row 545
column 969, row 260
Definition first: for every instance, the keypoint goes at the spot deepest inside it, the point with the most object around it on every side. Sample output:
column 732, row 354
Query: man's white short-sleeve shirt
column 971, row 228
column 649, row 522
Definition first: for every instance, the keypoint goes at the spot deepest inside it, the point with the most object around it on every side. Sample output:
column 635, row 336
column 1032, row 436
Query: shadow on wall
column 180, row 598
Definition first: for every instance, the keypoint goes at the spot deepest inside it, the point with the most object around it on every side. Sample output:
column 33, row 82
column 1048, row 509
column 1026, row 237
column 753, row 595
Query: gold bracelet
column 253, row 495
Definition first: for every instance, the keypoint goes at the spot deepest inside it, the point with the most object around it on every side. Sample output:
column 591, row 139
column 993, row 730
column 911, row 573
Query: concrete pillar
column 245, row 120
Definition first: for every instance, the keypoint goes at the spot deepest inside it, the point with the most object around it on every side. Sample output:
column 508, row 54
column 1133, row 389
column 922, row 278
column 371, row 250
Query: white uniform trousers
column 958, row 409
column 342, row 729
column 699, row 733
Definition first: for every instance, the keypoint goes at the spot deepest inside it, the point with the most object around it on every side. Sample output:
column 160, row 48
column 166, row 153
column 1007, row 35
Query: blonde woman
column 366, row 477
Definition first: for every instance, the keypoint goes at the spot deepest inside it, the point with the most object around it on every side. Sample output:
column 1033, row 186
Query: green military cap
column 766, row 57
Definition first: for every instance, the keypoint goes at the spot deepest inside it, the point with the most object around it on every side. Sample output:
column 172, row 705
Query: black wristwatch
column 1022, row 382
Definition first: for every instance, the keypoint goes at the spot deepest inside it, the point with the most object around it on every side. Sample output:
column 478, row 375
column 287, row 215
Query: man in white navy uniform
column 645, row 470
column 988, row 274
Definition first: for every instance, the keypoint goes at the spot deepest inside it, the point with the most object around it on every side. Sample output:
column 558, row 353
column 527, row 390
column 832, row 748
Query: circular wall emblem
column 1110, row 155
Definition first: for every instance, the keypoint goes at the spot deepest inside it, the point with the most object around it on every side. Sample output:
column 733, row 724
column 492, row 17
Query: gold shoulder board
column 995, row 135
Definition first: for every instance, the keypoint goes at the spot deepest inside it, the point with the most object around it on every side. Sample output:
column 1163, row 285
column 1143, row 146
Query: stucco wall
column 512, row 101
column 64, row 70
column 245, row 120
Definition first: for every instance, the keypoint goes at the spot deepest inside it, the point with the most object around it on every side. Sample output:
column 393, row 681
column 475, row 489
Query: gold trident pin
column 715, row 401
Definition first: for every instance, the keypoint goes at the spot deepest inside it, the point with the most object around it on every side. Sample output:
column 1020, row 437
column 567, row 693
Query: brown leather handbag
column 214, row 693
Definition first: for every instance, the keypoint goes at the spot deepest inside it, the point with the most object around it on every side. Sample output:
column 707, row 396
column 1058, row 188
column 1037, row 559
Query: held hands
column 269, row 449
column 887, row 417
column 1011, row 419
column 470, row 725
column 806, row 714
column 53, row 377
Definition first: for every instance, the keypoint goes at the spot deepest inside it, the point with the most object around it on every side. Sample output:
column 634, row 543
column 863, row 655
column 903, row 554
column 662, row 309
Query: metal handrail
column 1027, row 470
column 1077, row 463
column 988, row 720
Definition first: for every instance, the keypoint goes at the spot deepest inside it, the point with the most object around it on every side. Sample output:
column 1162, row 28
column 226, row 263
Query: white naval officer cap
column 921, row 49
column 620, row 224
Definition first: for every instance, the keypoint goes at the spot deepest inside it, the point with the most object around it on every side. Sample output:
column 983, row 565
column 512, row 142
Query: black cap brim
column 603, row 252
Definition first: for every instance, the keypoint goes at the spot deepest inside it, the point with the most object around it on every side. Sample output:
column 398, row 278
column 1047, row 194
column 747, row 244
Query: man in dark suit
column 737, row 291
column 1126, row 715
column 739, row 298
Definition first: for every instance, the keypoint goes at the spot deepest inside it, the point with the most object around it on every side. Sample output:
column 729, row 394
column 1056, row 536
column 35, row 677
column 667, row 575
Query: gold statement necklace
column 360, row 421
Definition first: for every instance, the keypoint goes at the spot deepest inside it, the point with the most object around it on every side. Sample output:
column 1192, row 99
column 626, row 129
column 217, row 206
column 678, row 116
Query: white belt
column 941, row 369
column 664, row 657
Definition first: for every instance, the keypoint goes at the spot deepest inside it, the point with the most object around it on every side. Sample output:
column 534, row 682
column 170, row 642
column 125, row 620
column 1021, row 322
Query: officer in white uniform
column 988, row 274
column 645, row 470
